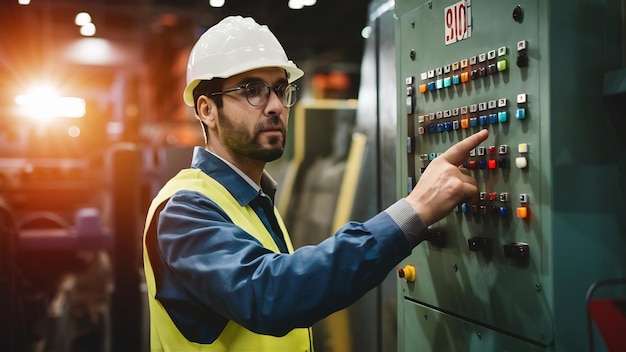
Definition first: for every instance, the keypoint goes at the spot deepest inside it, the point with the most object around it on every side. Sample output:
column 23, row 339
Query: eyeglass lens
column 258, row 93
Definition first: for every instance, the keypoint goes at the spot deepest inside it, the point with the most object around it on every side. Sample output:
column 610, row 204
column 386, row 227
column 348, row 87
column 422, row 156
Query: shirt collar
column 234, row 180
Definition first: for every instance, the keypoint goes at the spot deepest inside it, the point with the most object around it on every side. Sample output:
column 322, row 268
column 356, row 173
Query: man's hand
column 444, row 184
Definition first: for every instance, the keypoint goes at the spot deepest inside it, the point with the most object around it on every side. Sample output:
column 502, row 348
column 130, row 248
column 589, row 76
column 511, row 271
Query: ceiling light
column 216, row 3
column 88, row 30
column 295, row 4
column 82, row 18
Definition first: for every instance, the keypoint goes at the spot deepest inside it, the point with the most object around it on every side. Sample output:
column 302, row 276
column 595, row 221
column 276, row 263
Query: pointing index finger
column 458, row 153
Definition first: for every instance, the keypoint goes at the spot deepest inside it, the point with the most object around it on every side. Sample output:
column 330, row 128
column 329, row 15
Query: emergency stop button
column 407, row 272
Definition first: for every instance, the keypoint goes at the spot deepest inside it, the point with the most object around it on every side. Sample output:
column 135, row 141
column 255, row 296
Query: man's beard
column 237, row 139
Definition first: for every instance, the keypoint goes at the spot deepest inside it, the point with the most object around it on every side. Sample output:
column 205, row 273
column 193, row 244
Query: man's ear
column 207, row 111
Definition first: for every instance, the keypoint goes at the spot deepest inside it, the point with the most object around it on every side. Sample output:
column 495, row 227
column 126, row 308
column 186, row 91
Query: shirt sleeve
column 216, row 264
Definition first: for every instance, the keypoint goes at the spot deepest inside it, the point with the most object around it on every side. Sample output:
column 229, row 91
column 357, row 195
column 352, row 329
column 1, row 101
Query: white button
column 522, row 45
column 521, row 98
column 521, row 162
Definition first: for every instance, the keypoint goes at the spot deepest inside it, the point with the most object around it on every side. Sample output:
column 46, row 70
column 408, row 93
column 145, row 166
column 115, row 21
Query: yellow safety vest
column 164, row 335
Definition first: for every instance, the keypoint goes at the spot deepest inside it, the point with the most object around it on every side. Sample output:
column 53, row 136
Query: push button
column 501, row 65
column 522, row 212
column 422, row 88
column 520, row 114
column 480, row 244
column 407, row 272
column 516, row 251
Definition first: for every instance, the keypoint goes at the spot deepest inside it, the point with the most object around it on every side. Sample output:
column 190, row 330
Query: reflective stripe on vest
column 164, row 335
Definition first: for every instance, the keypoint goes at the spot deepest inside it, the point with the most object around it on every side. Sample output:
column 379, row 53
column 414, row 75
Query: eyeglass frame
column 269, row 91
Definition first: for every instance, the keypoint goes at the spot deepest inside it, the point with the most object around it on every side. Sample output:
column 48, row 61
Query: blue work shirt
column 210, row 271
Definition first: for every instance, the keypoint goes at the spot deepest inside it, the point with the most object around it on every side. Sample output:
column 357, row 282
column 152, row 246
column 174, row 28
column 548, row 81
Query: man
column 221, row 271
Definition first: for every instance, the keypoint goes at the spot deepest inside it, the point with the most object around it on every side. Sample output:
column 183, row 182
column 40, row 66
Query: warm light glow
column 23, row 2
column 73, row 131
column 82, row 18
column 93, row 51
column 43, row 103
column 217, row 3
column 88, row 30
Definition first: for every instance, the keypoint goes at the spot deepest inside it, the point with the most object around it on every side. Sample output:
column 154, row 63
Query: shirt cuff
column 408, row 221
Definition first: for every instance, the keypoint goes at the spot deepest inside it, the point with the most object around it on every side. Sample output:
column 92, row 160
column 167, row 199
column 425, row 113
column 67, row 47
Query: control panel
column 494, row 274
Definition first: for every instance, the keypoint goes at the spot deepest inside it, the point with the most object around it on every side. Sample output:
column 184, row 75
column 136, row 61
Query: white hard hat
column 233, row 46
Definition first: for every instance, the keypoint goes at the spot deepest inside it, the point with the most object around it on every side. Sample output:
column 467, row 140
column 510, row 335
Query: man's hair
column 206, row 87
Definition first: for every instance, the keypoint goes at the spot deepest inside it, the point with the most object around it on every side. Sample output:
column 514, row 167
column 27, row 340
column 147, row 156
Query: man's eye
column 254, row 89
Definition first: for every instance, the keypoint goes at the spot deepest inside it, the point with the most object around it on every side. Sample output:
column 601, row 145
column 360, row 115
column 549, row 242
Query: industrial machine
column 510, row 272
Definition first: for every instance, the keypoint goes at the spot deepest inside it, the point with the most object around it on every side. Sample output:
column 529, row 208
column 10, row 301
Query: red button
column 492, row 164
column 472, row 164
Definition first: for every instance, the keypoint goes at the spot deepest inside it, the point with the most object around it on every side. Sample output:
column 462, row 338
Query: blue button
column 520, row 114
column 473, row 122
column 431, row 86
column 482, row 164
column 456, row 79
column 439, row 127
column 431, row 128
column 432, row 156
column 502, row 116
column 447, row 82
column 504, row 211
column 483, row 120
column 465, row 208
column 447, row 126
column 493, row 119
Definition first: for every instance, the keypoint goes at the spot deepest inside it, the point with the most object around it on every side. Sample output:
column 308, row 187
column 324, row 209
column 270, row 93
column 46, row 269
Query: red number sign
column 457, row 22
